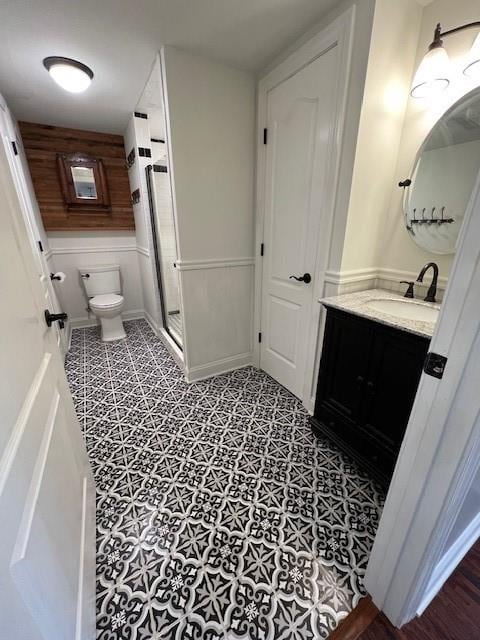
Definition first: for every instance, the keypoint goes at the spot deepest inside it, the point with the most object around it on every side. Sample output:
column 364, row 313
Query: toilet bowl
column 108, row 308
column 102, row 286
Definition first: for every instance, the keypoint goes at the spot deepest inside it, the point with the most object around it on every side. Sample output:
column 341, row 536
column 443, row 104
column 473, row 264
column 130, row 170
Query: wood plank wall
column 43, row 142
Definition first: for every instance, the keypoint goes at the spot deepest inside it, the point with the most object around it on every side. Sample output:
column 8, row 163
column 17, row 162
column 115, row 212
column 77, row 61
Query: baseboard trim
column 348, row 277
column 356, row 622
column 83, row 323
column 450, row 561
column 200, row 372
column 153, row 325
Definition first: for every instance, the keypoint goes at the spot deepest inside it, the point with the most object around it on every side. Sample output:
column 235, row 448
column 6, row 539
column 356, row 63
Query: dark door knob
column 55, row 317
column 305, row 278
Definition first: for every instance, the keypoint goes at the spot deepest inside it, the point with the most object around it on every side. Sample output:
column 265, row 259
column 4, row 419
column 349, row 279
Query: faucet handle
column 409, row 292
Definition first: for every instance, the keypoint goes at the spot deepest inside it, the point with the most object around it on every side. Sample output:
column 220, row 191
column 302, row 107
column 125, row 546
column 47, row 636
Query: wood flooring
column 453, row 615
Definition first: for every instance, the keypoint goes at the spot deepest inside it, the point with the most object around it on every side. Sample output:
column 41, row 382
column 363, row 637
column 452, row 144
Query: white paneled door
column 19, row 171
column 301, row 123
column 47, row 535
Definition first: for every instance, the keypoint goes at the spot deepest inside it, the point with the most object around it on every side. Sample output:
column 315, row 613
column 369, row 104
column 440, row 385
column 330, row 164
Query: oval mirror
column 443, row 177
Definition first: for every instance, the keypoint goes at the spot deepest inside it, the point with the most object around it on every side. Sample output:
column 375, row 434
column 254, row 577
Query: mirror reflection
column 84, row 182
column 444, row 176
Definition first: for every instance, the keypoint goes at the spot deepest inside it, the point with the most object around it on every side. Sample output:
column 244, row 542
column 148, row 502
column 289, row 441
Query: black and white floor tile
column 219, row 514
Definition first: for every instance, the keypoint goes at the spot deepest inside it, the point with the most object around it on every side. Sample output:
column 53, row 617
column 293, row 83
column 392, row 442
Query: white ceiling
column 118, row 40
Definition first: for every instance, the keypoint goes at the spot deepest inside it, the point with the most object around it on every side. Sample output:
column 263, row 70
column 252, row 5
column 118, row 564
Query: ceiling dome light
column 433, row 74
column 69, row 74
column 472, row 70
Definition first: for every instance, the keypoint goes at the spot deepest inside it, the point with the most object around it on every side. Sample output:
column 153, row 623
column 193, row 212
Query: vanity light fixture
column 69, row 74
column 434, row 71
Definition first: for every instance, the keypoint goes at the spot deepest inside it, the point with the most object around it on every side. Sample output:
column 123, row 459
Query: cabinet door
column 346, row 349
column 395, row 367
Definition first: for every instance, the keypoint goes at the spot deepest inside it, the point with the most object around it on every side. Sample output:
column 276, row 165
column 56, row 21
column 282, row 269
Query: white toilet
column 102, row 285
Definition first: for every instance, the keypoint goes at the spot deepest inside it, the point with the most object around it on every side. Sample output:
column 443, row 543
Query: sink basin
column 407, row 309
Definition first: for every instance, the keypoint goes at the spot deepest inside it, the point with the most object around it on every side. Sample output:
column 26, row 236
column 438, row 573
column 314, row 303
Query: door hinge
column 265, row 135
column 14, row 147
column 40, row 245
column 260, row 336
column 262, row 249
column 435, row 364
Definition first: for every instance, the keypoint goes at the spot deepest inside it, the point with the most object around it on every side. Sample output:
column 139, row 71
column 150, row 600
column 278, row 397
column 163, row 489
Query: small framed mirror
column 443, row 177
column 83, row 182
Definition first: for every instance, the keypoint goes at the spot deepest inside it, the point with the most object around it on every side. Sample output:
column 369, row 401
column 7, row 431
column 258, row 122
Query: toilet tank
column 101, row 279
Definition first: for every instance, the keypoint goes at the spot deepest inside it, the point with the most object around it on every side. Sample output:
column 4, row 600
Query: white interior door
column 47, row 542
column 301, row 124
column 23, row 184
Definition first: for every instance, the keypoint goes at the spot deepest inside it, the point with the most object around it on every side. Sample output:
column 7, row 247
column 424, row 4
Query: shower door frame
column 158, row 253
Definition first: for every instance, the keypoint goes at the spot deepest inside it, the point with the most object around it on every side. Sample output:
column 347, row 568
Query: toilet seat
column 106, row 301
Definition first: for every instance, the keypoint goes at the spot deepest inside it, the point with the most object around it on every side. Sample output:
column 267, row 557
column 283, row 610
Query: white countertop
column 358, row 304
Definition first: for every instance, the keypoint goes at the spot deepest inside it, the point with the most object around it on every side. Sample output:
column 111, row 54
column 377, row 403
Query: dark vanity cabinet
column 368, row 379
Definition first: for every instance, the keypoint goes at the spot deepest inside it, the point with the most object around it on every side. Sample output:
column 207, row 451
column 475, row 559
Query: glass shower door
column 163, row 227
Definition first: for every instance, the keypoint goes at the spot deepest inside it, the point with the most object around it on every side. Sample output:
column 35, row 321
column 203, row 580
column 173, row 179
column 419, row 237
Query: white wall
column 212, row 115
column 211, row 118
column 390, row 65
column 71, row 250
column 421, row 115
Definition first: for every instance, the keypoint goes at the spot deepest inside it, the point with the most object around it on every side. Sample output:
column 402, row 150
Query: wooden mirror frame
column 65, row 162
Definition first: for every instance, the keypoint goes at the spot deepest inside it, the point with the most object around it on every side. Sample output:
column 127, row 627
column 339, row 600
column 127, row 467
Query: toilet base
column 112, row 329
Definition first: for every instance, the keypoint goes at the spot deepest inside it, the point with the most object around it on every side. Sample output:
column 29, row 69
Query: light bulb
column 69, row 74
column 433, row 74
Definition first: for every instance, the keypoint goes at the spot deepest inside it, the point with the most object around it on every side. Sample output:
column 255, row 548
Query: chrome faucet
column 432, row 290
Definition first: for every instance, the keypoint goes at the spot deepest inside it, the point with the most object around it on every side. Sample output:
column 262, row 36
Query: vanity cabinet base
column 353, row 450
column 368, row 379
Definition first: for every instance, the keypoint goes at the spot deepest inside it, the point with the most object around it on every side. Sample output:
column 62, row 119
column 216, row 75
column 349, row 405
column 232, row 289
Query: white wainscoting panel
column 218, row 298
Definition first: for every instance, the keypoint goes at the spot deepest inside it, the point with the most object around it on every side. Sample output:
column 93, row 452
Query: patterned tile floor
column 219, row 515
